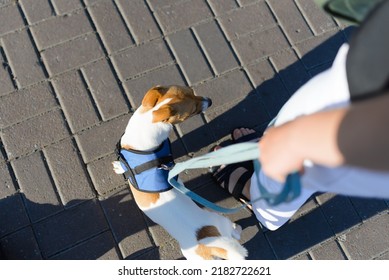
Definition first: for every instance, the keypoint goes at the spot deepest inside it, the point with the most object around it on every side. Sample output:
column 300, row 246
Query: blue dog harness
column 147, row 171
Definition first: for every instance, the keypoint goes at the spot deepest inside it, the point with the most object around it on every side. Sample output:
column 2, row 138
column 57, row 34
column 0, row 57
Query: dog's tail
column 221, row 248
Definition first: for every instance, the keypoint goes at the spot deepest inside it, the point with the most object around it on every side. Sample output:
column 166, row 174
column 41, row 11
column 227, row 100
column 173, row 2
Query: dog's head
column 173, row 104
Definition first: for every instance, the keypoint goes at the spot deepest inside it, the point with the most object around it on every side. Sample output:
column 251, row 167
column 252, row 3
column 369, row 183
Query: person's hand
column 278, row 154
column 284, row 148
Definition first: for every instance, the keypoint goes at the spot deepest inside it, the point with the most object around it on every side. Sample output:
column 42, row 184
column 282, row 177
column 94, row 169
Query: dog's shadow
column 114, row 227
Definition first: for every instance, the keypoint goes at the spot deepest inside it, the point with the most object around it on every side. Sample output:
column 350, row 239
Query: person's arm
column 355, row 136
column 363, row 136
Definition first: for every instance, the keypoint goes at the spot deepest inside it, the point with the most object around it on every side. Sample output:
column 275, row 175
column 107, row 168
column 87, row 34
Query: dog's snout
column 207, row 102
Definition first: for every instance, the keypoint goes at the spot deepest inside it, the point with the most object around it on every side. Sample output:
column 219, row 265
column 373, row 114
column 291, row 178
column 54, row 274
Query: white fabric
column 328, row 90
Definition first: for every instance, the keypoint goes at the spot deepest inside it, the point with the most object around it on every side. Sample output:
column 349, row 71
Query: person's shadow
column 114, row 227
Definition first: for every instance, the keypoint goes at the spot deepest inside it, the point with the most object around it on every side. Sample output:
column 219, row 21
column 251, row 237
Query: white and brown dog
column 201, row 234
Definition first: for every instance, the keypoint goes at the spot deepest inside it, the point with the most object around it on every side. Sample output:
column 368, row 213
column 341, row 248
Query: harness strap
column 156, row 163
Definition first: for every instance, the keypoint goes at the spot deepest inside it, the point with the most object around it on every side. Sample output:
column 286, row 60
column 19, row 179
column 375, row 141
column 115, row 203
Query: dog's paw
column 237, row 231
column 117, row 167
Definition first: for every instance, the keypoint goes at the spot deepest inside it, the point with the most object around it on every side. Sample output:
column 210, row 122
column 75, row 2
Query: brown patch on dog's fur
column 207, row 231
column 208, row 253
column 144, row 199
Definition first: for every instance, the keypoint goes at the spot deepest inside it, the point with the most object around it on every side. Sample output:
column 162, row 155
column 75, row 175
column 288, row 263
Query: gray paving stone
column 26, row 103
column 11, row 19
column 159, row 235
column 13, row 215
column 72, row 226
column 101, row 247
column 248, row 19
column 101, row 140
column 367, row 208
column 110, row 26
column 64, row 7
column 5, row 2
column 291, row 70
column 221, row 7
column 309, row 206
column 158, row 4
column 127, row 223
column 225, row 89
column 248, row 112
column 147, row 254
column 317, row 19
column 384, row 256
column 137, row 88
column 182, row 15
column 142, row 58
column 269, row 86
column 36, row 10
column 216, row 47
column 41, row 130
column 195, row 134
column 7, row 186
column 299, row 235
column 339, row 212
column 328, row 251
column 74, row 98
column 257, row 245
column 319, row 50
column 190, row 57
column 5, row 77
column 60, row 29
column 68, row 173
column 246, row 2
column 24, row 62
column 178, row 148
column 93, row 2
column 104, row 179
column 302, row 257
column 169, row 251
column 260, row 44
column 72, row 54
column 20, row 245
column 37, row 187
column 105, row 89
column 368, row 240
column 139, row 19
column 291, row 20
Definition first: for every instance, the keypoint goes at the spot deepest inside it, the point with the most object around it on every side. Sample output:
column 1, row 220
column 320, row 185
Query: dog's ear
column 153, row 95
column 163, row 114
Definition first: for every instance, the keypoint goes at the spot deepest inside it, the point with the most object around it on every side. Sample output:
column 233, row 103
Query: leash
column 228, row 155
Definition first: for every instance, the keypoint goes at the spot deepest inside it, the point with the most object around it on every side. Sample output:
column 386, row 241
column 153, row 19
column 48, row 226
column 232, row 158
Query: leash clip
column 165, row 167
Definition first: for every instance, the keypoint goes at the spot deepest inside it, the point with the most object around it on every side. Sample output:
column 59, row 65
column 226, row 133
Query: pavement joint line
column 91, row 96
column 203, row 51
column 126, row 24
column 8, row 67
column 108, row 57
column 51, row 177
column 33, row 42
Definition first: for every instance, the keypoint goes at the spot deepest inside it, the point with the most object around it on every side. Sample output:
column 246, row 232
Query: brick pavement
column 73, row 72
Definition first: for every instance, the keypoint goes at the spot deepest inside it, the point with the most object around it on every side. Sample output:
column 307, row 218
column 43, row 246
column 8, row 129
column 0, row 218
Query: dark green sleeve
column 363, row 136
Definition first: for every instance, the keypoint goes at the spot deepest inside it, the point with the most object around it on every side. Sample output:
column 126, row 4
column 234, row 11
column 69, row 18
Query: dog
column 201, row 234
